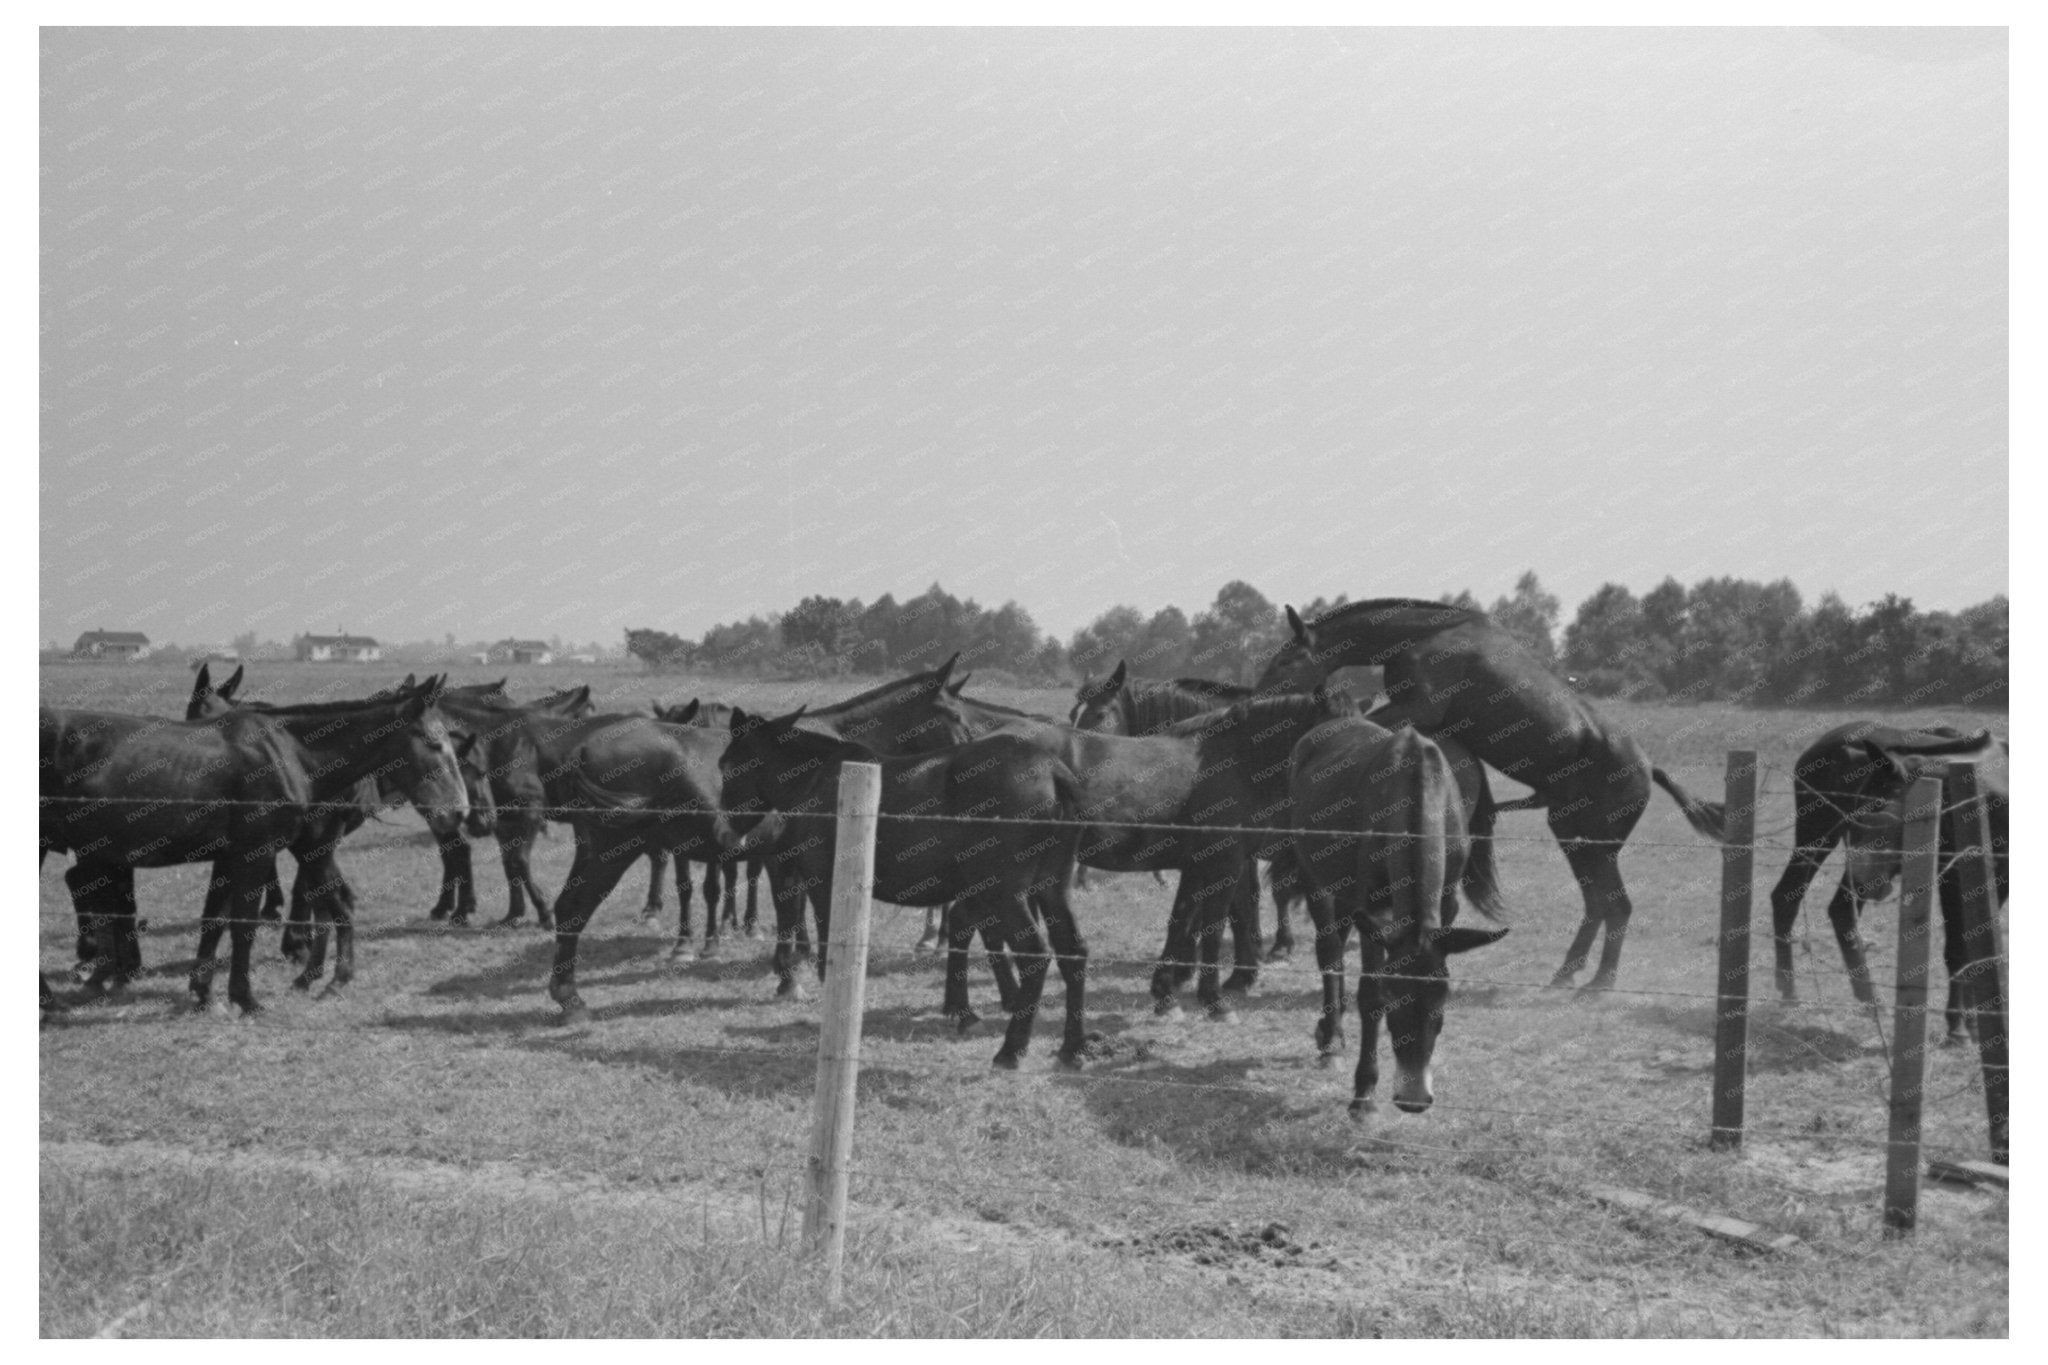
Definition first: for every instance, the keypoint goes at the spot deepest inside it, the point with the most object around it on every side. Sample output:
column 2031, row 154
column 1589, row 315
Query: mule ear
column 1885, row 762
column 202, row 684
column 739, row 720
column 410, row 681
column 464, row 744
column 1457, row 939
column 234, row 683
column 1303, row 634
column 954, row 690
column 782, row 725
column 944, row 672
column 581, row 696
column 685, row 715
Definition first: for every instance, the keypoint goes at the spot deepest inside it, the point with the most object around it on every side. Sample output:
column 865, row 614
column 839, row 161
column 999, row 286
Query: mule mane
column 1150, row 705
column 1254, row 710
column 893, row 690
column 1404, row 613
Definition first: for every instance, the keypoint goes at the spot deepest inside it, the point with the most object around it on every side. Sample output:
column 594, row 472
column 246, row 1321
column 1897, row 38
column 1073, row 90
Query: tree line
column 1721, row 639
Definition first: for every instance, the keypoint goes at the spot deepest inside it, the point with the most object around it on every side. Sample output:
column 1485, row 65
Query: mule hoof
column 438, row 912
column 710, row 952
column 1326, row 1061
column 336, row 990
column 1280, row 954
column 459, row 922
column 793, row 992
column 1070, row 1061
column 753, row 931
column 509, row 922
column 1239, row 983
column 302, row 983
column 1006, row 1060
column 965, row 1020
column 575, row 1012
column 1362, row 1110
column 924, row 946
column 1221, row 1013
column 1563, row 979
column 1599, row 985
column 1167, row 1009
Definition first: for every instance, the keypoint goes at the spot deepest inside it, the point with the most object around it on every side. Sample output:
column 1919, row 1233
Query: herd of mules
column 1380, row 822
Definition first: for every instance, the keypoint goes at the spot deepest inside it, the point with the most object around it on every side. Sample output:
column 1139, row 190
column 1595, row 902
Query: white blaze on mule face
column 451, row 775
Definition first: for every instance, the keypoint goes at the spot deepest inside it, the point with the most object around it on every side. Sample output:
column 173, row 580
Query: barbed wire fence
column 828, row 1171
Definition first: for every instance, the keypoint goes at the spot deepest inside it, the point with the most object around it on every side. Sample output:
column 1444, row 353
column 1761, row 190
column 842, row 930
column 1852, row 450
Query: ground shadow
column 1776, row 1043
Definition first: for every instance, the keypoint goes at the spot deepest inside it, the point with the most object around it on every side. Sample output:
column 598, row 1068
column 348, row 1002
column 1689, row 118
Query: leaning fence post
column 1983, row 952
column 846, row 958
column 1909, row 1012
column 1731, row 1010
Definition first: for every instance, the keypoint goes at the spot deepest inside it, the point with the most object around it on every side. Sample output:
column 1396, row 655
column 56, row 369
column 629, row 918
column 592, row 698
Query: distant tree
column 1238, row 632
column 825, row 625
column 245, row 644
column 658, row 649
column 1051, row 663
column 1004, row 638
column 1462, row 598
column 1164, row 645
column 1604, row 643
column 871, row 653
column 1116, row 634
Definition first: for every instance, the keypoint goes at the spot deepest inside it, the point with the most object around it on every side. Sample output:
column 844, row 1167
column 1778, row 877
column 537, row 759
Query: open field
column 432, row 1154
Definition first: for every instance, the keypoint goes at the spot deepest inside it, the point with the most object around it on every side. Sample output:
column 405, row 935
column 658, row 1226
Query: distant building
column 111, row 644
column 522, row 652
column 337, row 649
column 214, row 656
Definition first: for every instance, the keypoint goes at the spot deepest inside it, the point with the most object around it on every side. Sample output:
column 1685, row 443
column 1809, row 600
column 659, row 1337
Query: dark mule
column 123, row 792
column 624, row 785
column 1849, row 787
column 1398, row 845
column 520, row 802
column 781, row 785
column 720, row 910
column 1150, row 797
column 1122, row 705
column 1452, row 673
column 315, row 848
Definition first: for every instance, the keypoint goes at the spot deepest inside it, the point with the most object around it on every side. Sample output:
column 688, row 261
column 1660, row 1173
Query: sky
column 560, row 332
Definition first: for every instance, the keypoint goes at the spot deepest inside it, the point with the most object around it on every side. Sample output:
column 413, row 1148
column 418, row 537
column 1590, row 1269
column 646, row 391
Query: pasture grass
column 1197, row 1178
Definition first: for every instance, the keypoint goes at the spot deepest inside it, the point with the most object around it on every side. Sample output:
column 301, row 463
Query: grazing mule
column 781, row 784
column 1849, row 787
column 1452, row 673
column 123, row 791
column 1394, row 845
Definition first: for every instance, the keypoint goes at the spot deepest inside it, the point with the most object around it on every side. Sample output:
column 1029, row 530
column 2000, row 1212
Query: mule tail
column 1481, row 882
column 1708, row 817
column 1425, row 866
column 603, row 797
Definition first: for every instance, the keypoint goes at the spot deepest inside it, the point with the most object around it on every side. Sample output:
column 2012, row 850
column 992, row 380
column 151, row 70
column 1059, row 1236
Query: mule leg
column 512, row 857
column 212, row 924
column 1219, row 882
column 1816, row 831
column 1286, row 886
column 450, row 894
column 754, row 866
column 243, row 903
column 103, row 896
column 1597, row 868
column 960, row 931
column 1073, row 959
column 934, row 929
column 1177, row 958
column 1372, row 1005
column 657, row 865
column 312, row 913
column 1845, row 909
column 1245, row 939
column 591, row 878
column 786, row 893
column 1959, row 1014
column 1332, row 932
column 1032, row 960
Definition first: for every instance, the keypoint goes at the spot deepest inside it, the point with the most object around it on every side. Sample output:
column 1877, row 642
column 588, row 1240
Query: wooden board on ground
column 1751, row 1235
column 1970, row 1173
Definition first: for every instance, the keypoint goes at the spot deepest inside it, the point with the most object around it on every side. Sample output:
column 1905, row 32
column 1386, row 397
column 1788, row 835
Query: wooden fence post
column 846, row 967
column 1983, row 950
column 1909, row 1012
column 1731, row 1011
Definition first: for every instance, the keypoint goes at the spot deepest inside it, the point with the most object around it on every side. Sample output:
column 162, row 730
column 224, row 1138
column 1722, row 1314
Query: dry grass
column 445, row 1159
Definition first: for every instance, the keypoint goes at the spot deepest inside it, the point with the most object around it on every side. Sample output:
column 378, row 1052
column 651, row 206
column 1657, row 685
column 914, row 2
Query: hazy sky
column 548, row 332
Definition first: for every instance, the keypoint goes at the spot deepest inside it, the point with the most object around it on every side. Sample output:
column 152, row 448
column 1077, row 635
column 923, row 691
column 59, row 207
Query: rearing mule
column 1396, row 849
column 1850, row 787
column 1452, row 673
column 781, row 784
column 123, row 791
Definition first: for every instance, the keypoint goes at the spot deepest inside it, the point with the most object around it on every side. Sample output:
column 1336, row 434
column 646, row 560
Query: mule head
column 1413, row 986
column 1298, row 666
column 473, row 762
column 432, row 776
column 754, row 775
column 1095, row 702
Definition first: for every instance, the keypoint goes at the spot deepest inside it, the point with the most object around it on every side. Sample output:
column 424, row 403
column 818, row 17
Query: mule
column 780, row 785
column 122, row 791
column 720, row 910
column 1395, row 846
column 1452, row 673
column 321, row 835
column 1122, row 705
column 1849, row 786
